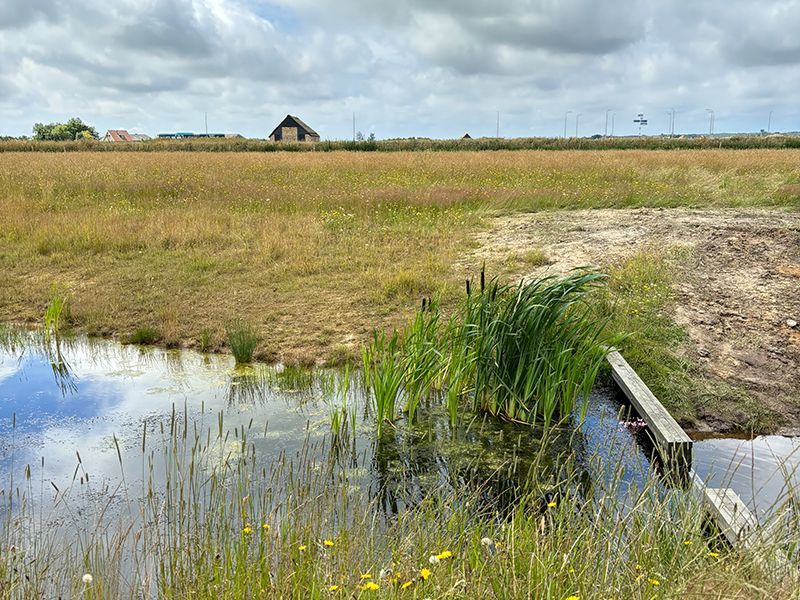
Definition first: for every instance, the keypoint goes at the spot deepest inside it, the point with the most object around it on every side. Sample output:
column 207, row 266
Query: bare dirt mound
column 739, row 299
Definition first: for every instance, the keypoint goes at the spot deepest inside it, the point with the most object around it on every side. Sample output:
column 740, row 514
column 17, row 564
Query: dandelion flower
column 366, row 576
column 687, row 543
column 247, row 530
column 87, row 578
column 572, row 598
column 445, row 554
column 551, row 504
column 333, row 588
column 370, row 585
column 265, row 526
column 327, row 543
column 654, row 581
column 407, row 584
column 425, row 573
column 433, row 559
column 713, row 554
column 302, row 547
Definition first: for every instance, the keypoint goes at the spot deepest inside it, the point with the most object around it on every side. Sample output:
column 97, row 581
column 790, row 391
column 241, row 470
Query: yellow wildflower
column 333, row 588
column 265, row 526
column 687, row 543
column 407, row 584
column 444, row 555
column 302, row 547
column 713, row 554
column 327, row 543
column 551, row 504
column 366, row 576
column 247, row 530
column 425, row 573
column 572, row 598
column 370, row 585
column 654, row 581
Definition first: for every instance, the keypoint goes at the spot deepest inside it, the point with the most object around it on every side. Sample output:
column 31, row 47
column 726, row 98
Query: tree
column 71, row 130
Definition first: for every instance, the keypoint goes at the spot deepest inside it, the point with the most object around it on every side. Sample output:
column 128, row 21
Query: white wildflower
column 434, row 560
column 87, row 578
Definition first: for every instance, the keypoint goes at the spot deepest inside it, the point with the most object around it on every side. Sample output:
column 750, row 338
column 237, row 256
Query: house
column 117, row 135
column 292, row 129
column 466, row 136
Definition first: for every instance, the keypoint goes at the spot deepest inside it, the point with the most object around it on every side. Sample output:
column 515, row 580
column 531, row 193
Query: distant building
column 466, row 136
column 292, row 129
column 188, row 134
column 122, row 135
column 117, row 135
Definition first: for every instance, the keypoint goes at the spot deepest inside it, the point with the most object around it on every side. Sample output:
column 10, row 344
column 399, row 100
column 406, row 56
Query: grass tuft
column 242, row 340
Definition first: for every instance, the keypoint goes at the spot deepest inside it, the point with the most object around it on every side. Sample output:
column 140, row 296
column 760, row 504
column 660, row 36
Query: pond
column 86, row 409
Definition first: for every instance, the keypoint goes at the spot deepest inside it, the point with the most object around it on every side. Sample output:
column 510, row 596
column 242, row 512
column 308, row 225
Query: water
column 80, row 405
column 764, row 471
column 74, row 410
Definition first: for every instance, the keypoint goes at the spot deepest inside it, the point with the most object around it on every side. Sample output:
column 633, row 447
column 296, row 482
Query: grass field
column 314, row 250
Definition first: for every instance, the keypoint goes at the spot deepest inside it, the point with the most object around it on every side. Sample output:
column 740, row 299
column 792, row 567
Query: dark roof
column 296, row 121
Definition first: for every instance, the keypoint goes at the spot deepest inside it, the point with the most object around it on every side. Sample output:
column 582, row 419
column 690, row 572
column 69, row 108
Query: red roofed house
column 118, row 135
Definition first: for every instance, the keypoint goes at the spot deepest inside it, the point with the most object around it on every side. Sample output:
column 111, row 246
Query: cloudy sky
column 433, row 68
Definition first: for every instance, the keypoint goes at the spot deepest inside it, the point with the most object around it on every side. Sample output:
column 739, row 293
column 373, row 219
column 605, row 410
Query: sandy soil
column 739, row 299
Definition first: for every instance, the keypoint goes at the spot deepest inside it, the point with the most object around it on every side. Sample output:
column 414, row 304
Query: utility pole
column 605, row 130
column 498, row 124
column 769, row 122
column 565, row 122
column 613, row 115
column 206, row 123
column 354, row 127
column 577, row 120
column 710, row 121
column 671, row 114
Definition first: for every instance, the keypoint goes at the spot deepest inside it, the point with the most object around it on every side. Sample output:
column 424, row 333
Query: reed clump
column 242, row 340
column 526, row 352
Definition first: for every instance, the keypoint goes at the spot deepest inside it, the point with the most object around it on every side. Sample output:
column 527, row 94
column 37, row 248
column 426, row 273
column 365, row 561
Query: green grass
column 242, row 340
column 228, row 525
column 145, row 335
column 527, row 352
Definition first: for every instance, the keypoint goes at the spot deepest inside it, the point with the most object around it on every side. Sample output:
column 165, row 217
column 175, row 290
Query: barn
column 292, row 129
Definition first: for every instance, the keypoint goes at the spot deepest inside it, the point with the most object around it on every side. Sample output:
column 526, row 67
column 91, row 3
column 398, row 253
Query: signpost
column 641, row 121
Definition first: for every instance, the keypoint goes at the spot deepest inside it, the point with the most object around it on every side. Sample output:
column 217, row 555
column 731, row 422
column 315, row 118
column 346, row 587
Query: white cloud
column 406, row 67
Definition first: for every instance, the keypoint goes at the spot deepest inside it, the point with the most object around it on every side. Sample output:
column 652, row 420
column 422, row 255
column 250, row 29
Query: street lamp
column 577, row 120
column 710, row 121
column 565, row 122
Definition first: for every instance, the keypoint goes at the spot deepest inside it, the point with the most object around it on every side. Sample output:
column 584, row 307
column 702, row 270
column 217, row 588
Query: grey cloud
column 21, row 13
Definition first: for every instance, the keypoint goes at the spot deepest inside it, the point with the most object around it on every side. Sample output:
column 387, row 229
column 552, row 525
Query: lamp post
column 577, row 120
column 612, row 123
column 769, row 122
column 605, row 130
column 565, row 122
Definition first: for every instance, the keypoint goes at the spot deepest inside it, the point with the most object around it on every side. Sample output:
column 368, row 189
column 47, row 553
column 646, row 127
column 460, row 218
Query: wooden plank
column 731, row 515
column 674, row 446
column 740, row 527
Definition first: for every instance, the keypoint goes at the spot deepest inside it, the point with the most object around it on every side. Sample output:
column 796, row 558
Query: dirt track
column 738, row 297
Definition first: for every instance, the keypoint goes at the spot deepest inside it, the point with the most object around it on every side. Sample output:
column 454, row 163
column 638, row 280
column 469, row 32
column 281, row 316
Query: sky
column 424, row 68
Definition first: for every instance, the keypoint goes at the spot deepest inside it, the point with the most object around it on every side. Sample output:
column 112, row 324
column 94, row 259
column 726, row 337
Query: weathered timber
column 734, row 521
column 671, row 441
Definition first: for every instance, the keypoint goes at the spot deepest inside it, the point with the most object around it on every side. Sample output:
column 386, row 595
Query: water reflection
column 104, row 396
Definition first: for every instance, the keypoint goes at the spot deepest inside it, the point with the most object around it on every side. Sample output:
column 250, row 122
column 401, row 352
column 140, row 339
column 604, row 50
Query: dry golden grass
column 314, row 249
